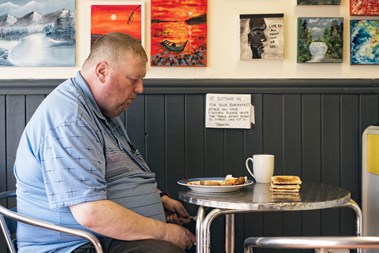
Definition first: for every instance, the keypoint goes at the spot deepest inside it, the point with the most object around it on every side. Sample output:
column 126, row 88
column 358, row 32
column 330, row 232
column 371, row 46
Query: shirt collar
column 79, row 81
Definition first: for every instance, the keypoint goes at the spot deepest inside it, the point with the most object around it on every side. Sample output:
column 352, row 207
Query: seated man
column 76, row 167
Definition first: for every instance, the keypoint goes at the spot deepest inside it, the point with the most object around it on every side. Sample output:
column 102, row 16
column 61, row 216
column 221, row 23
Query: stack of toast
column 285, row 188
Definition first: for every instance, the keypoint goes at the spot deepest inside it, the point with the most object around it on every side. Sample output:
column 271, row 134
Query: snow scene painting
column 37, row 33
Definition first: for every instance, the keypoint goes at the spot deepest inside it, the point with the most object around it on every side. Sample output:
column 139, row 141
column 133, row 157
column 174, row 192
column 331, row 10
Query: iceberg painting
column 364, row 42
column 37, row 33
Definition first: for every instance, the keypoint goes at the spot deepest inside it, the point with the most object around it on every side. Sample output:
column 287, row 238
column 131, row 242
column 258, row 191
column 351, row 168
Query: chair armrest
column 313, row 242
column 35, row 222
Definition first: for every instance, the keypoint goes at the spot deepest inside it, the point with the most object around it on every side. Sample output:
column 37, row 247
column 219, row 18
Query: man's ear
column 102, row 71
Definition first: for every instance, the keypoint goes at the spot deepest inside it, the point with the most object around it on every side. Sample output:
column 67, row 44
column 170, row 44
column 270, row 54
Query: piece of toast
column 285, row 180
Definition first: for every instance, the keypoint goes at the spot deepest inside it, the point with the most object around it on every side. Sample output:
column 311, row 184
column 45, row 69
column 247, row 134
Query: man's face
column 256, row 36
column 123, row 83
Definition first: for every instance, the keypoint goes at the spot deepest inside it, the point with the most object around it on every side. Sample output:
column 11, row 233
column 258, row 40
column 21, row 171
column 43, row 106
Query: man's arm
column 112, row 220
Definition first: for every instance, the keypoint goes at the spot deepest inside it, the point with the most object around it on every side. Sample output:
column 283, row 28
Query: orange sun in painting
column 116, row 18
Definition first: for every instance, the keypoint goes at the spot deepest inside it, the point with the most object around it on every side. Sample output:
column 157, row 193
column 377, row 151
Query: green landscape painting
column 320, row 40
column 318, row 2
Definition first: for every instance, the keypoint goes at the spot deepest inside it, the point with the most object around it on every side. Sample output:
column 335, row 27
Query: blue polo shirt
column 69, row 153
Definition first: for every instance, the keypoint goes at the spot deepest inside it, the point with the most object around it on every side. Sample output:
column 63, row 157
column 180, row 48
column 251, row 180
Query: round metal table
column 258, row 198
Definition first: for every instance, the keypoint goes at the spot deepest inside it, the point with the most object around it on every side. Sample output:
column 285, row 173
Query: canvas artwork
column 318, row 2
column 37, row 33
column 261, row 36
column 320, row 40
column 125, row 18
column 364, row 42
column 364, row 7
column 179, row 33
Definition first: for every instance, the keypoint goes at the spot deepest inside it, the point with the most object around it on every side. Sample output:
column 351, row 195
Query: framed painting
column 318, row 2
column 320, row 40
column 118, row 17
column 37, row 33
column 179, row 33
column 364, row 42
column 364, row 7
column 261, row 36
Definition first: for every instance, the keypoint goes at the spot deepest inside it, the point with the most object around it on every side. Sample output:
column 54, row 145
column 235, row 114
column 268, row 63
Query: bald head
column 113, row 47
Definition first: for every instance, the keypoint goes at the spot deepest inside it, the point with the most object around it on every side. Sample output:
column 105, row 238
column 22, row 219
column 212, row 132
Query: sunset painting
column 179, row 33
column 117, row 18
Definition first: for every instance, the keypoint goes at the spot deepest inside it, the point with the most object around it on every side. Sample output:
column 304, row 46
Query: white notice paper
column 228, row 111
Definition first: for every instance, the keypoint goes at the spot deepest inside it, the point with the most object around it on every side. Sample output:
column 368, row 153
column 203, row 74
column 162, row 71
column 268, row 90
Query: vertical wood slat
column 330, row 156
column 3, row 175
column 292, row 134
column 306, row 132
column 194, row 139
column 175, row 139
column 194, row 136
column 311, row 156
column 272, row 144
column 15, row 123
column 349, row 157
column 156, row 140
column 254, row 223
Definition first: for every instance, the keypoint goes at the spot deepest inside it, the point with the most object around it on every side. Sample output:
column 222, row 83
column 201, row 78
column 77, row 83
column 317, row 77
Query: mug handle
column 247, row 166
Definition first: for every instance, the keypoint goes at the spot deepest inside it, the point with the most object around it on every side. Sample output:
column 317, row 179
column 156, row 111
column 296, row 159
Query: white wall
column 223, row 45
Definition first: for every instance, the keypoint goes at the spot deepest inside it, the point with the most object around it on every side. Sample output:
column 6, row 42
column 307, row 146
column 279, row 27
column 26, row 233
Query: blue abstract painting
column 364, row 42
column 37, row 33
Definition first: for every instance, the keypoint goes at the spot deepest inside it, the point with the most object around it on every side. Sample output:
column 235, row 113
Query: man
column 76, row 167
column 256, row 36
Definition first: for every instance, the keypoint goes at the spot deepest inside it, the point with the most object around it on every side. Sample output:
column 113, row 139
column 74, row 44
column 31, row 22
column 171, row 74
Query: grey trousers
column 141, row 246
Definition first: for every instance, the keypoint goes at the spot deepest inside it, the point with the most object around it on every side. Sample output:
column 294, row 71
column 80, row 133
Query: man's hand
column 179, row 236
column 175, row 211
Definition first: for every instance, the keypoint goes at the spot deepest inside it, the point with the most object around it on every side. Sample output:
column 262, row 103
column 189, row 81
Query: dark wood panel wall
column 313, row 127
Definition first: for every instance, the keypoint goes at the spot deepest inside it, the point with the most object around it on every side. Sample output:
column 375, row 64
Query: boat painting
column 178, row 33
column 172, row 46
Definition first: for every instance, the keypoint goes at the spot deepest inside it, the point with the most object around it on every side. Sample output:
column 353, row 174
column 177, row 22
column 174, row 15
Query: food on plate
column 229, row 180
column 285, row 184
column 234, row 180
column 209, row 182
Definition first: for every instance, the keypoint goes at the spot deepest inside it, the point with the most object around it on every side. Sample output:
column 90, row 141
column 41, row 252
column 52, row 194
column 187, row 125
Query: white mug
column 263, row 167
